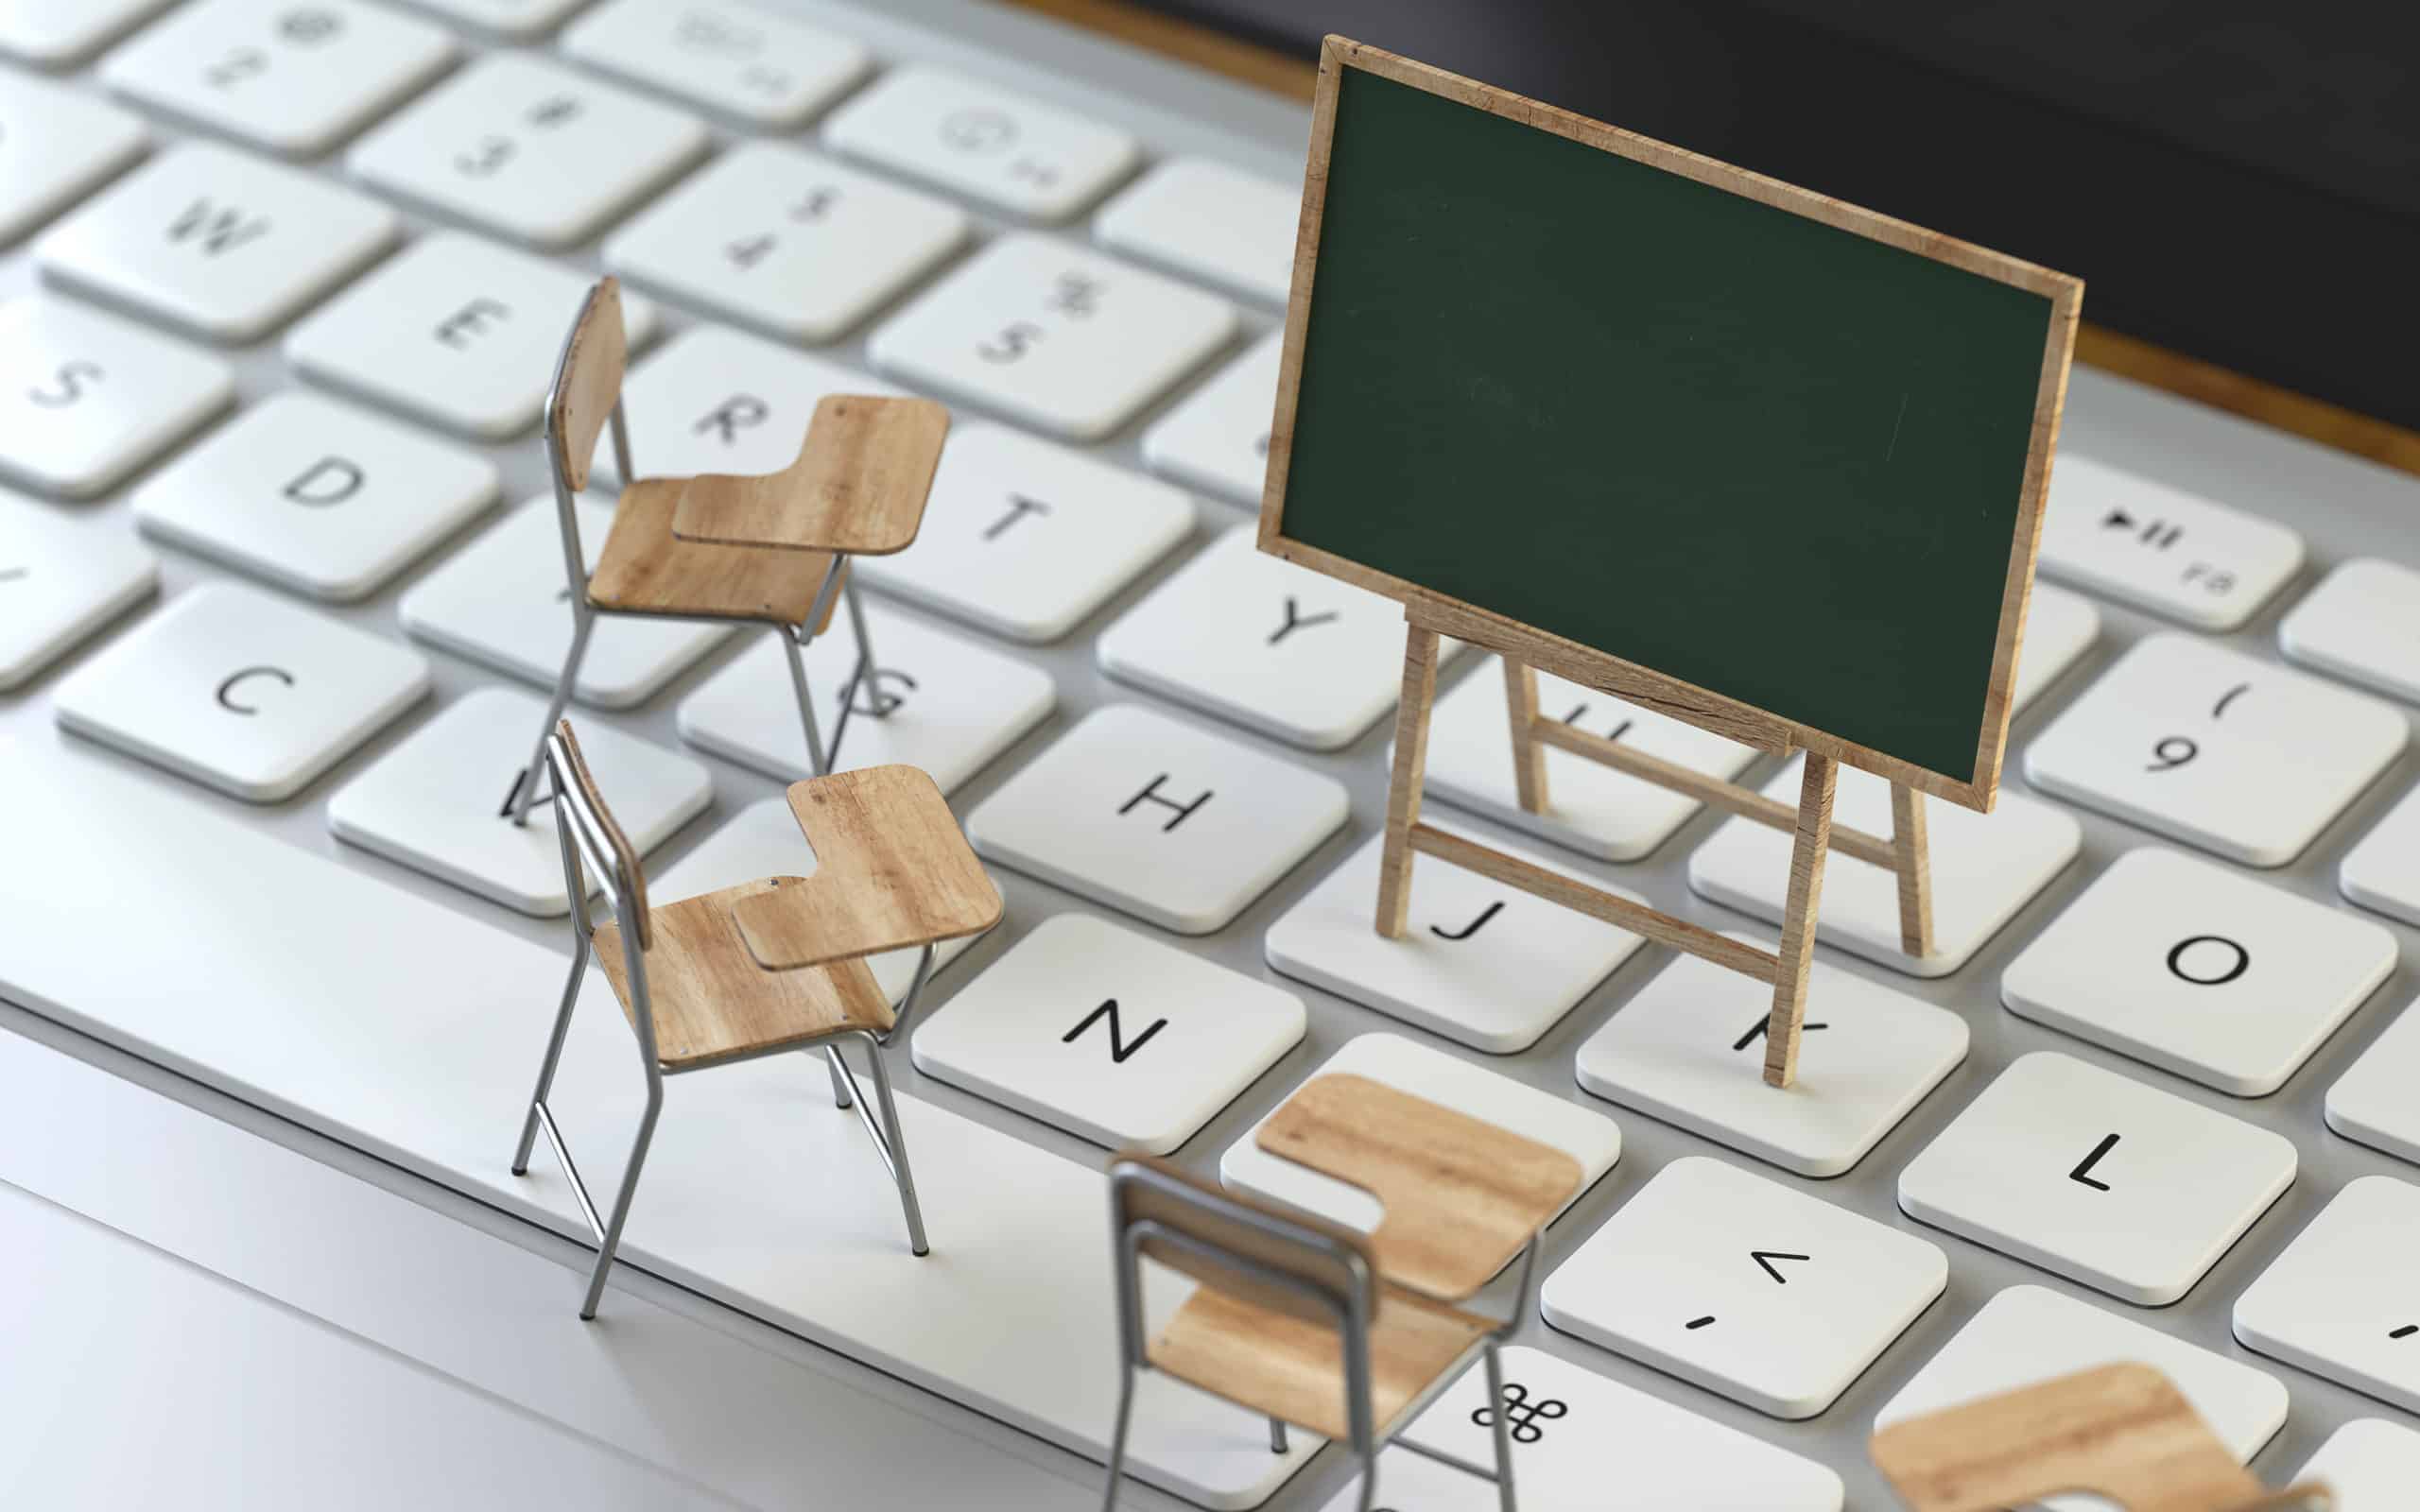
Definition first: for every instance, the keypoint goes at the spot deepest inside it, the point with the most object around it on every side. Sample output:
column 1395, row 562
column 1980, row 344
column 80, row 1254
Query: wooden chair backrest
column 1238, row 1229
column 2122, row 1432
column 580, row 808
column 588, row 382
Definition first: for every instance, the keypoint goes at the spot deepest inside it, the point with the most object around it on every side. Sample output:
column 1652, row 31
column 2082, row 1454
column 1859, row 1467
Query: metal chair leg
column 613, row 1236
column 554, row 1056
column 1369, row 1478
column 1503, row 1433
column 817, row 757
column 1117, row 1438
column 898, row 1147
column 1277, row 1436
column 839, row 1082
column 526, row 790
column 865, row 674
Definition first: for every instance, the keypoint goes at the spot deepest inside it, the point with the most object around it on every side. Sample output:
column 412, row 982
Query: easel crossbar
column 1712, row 791
column 1612, row 908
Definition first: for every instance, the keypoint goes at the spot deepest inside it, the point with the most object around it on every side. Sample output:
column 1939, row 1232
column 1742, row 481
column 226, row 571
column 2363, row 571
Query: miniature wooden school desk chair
column 1311, row 1323
column 696, row 994
column 771, row 550
column 2122, row 1432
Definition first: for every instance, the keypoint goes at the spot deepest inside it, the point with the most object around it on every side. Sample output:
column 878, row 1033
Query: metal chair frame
column 583, row 834
column 1352, row 1306
column 793, row 638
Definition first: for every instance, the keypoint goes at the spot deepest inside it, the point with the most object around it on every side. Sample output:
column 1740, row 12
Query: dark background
column 2238, row 181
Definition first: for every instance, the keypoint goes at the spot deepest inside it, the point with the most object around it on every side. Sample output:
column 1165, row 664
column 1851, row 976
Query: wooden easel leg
column 1807, row 856
column 1915, row 870
column 1411, row 767
column 1529, row 756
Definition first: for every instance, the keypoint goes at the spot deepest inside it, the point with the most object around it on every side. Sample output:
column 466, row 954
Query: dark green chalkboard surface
column 1775, row 457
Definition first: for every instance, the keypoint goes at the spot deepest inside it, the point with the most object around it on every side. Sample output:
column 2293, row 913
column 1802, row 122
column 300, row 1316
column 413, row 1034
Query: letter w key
column 1118, row 1048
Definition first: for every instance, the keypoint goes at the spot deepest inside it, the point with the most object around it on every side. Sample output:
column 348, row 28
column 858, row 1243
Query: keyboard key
column 1109, row 1035
column 716, row 400
column 1585, row 1135
column 763, row 840
column 529, row 149
column 241, row 691
column 1275, row 647
column 398, row 1024
column 786, row 241
column 502, row 601
column 1218, row 440
column 51, row 33
column 2337, row 1302
column 1012, row 153
column 1985, row 867
column 2099, row 1178
column 2210, row 747
column 1590, row 807
column 2382, row 870
column 1062, row 339
column 1026, row 538
column 434, row 802
column 2371, row 1101
column 1156, row 818
column 55, row 146
column 518, row 19
column 60, row 580
column 769, row 71
column 2369, row 1463
column 1688, row 1048
column 2161, row 548
column 2059, row 628
column 2362, row 623
column 86, row 397
column 936, row 701
column 1209, row 221
column 2199, row 970
column 2028, row 1335
column 1563, row 1418
column 295, row 80
column 225, row 245
column 1745, row 1287
column 1482, row 964
column 457, row 331
column 316, row 496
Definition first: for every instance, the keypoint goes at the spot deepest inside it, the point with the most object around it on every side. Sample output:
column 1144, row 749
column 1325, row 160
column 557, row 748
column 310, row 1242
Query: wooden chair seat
column 646, row 569
column 1293, row 1369
column 713, row 1002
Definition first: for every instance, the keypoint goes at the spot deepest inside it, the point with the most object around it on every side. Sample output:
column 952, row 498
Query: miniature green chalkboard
column 1723, row 446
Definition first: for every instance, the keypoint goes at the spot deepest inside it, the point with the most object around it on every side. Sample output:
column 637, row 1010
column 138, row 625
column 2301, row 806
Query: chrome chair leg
column 1503, row 1433
column 526, row 790
column 1369, row 1478
column 897, row 1150
column 554, row 1056
column 817, row 757
column 612, row 1239
column 1277, row 1436
column 1117, row 1438
column 839, row 1082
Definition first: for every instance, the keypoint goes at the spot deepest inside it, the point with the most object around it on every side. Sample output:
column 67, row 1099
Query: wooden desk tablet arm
column 858, row 488
column 1462, row 1197
column 2122, row 1432
column 893, row 871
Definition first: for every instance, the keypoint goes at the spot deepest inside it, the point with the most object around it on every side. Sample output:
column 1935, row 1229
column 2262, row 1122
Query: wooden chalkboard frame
column 1597, row 669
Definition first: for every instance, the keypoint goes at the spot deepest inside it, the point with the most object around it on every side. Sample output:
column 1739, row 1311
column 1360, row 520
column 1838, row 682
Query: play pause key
column 1745, row 1286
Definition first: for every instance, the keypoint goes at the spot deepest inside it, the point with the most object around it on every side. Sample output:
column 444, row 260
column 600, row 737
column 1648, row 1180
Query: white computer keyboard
column 277, row 604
